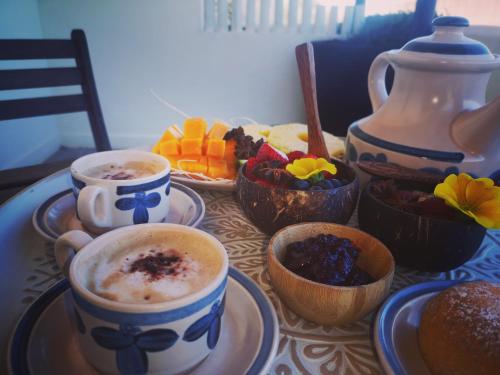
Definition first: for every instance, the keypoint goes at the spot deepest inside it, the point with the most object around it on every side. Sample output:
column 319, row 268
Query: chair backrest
column 30, row 49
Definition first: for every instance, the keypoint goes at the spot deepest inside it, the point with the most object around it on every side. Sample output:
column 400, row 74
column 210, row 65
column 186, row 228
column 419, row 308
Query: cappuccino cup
column 119, row 188
column 148, row 298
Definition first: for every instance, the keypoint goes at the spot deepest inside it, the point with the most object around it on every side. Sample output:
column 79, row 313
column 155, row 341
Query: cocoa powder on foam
column 123, row 272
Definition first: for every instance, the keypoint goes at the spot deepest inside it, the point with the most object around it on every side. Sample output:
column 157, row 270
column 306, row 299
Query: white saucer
column 44, row 341
column 57, row 214
column 397, row 324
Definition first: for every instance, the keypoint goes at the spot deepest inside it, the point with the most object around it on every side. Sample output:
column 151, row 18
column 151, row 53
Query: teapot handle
column 376, row 81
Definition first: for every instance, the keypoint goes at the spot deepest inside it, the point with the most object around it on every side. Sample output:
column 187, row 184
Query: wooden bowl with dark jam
column 329, row 274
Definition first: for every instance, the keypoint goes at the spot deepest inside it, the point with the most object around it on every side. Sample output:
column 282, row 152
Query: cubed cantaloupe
column 216, row 148
column 156, row 148
column 173, row 132
column 217, row 131
column 191, row 146
column 229, row 155
column 195, row 127
column 170, row 147
column 195, row 166
column 217, row 168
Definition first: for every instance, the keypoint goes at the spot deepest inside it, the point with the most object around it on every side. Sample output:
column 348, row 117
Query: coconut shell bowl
column 326, row 304
column 420, row 242
column 273, row 208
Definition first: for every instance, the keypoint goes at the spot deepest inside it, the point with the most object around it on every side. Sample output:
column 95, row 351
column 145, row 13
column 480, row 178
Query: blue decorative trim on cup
column 132, row 345
column 121, row 190
column 142, row 319
column 167, row 188
column 209, row 324
column 468, row 49
column 140, row 204
column 77, row 183
column 452, row 157
column 387, row 314
column 450, row 21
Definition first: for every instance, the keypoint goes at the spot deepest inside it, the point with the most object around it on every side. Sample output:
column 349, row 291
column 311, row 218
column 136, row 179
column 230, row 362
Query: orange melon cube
column 191, row 146
column 217, row 168
column 195, row 127
column 173, row 161
column 194, row 166
column 205, row 146
column 232, row 170
column 229, row 155
column 156, row 148
column 170, row 147
column 173, row 132
column 218, row 130
column 216, row 148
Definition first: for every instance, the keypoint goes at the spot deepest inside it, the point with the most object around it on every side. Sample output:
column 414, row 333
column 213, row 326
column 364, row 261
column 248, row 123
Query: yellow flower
column 478, row 198
column 307, row 167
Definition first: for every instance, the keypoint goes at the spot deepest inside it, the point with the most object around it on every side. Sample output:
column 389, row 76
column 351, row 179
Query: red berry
column 267, row 152
column 295, row 155
column 328, row 175
column 250, row 165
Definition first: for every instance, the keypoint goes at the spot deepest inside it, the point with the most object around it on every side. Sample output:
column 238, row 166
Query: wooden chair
column 29, row 49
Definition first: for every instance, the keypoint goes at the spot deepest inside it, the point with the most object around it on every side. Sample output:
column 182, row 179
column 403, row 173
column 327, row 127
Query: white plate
column 397, row 324
column 57, row 214
column 44, row 341
column 221, row 185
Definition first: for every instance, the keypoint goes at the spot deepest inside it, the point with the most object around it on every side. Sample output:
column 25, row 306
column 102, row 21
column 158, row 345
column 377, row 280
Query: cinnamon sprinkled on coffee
column 157, row 265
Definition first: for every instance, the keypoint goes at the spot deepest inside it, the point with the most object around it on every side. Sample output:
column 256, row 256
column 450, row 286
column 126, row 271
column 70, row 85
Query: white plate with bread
column 440, row 327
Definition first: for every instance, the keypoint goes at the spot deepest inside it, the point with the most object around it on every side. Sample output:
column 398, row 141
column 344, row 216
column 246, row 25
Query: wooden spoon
column 305, row 61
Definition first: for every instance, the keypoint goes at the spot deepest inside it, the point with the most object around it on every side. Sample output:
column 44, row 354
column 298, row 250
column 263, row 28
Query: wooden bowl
column 326, row 304
column 271, row 209
column 420, row 242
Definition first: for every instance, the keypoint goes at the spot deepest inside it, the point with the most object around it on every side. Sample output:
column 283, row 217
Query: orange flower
column 478, row 198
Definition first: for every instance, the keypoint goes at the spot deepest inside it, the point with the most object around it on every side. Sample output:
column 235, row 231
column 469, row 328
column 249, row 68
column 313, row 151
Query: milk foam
column 126, row 171
column 147, row 274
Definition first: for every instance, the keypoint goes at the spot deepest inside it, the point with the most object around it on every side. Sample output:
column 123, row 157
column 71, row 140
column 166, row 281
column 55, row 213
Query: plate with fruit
column 208, row 157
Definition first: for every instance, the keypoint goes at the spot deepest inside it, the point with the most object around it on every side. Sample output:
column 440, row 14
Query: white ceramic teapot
column 435, row 117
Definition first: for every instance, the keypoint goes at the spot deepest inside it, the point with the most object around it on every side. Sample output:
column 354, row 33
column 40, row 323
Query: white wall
column 27, row 141
column 136, row 46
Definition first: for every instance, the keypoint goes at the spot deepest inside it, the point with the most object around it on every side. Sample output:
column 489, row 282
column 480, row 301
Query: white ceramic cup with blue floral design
column 103, row 204
column 142, row 338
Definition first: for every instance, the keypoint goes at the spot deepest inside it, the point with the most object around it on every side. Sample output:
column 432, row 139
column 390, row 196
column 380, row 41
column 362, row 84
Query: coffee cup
column 118, row 188
column 147, row 298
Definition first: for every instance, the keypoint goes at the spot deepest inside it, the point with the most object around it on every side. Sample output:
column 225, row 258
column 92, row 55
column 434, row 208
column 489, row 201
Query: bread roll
column 459, row 331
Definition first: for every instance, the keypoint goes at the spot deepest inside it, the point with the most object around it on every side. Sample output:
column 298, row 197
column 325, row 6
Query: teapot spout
column 477, row 132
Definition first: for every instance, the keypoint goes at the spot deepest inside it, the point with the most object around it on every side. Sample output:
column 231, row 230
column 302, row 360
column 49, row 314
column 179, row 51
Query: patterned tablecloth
column 304, row 347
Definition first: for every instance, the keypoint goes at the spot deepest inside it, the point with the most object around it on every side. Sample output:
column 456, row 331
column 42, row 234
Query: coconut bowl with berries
column 275, row 189
column 406, row 210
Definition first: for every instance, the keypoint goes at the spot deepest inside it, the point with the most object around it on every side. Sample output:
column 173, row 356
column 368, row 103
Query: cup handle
column 88, row 212
column 67, row 246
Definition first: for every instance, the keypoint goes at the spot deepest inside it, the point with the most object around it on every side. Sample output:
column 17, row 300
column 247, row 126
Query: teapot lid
column 449, row 42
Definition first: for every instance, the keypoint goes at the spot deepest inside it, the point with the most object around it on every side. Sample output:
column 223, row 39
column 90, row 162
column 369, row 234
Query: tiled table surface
column 27, row 268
